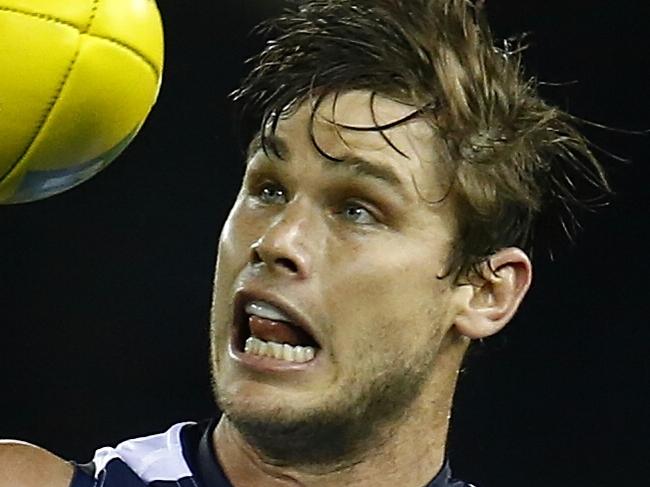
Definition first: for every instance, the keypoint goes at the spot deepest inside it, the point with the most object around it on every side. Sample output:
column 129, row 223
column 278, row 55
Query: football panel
column 134, row 23
column 108, row 93
column 35, row 56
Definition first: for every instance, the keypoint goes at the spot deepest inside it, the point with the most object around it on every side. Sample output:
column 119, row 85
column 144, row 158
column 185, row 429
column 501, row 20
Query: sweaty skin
column 358, row 249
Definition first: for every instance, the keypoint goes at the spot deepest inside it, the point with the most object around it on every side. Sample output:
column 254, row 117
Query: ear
column 484, row 308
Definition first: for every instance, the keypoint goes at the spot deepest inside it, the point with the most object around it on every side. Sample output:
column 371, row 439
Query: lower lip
column 268, row 364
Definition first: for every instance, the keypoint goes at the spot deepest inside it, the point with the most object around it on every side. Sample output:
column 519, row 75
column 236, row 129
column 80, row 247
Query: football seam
column 51, row 18
column 41, row 16
column 93, row 14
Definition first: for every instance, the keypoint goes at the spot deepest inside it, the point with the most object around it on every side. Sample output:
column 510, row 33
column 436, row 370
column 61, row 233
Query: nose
column 284, row 246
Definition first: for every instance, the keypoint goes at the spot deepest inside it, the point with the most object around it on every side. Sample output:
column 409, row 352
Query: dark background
column 105, row 290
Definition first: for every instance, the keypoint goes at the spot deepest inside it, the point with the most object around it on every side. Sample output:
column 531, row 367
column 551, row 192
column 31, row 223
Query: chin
column 330, row 428
column 260, row 401
column 289, row 432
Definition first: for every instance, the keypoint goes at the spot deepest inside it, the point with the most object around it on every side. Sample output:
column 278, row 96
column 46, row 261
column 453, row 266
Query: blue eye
column 272, row 194
column 357, row 213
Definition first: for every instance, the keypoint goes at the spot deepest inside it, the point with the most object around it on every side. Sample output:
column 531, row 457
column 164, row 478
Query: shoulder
column 25, row 465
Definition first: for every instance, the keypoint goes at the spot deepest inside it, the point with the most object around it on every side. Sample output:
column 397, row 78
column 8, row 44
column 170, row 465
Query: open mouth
column 265, row 330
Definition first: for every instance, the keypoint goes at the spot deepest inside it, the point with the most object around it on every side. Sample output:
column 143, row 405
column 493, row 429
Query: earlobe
column 484, row 308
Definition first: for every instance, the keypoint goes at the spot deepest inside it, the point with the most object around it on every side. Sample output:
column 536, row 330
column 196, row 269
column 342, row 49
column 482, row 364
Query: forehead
column 362, row 120
column 358, row 125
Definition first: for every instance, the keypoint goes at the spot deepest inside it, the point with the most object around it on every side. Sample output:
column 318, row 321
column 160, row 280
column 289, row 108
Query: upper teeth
column 265, row 310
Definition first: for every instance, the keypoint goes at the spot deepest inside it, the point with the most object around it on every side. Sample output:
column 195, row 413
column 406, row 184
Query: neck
column 408, row 453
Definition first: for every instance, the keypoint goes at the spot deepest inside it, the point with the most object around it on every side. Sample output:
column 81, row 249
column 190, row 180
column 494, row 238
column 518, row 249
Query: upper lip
column 248, row 295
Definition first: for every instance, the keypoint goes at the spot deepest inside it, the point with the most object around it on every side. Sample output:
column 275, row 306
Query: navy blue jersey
column 184, row 456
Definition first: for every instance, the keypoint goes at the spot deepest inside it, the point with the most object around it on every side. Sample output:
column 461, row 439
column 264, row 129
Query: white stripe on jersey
column 155, row 457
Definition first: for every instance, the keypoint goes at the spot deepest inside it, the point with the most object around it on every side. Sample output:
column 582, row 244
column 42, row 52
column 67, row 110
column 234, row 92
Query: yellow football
column 77, row 80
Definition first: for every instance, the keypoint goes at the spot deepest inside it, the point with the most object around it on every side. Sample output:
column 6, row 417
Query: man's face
column 350, row 252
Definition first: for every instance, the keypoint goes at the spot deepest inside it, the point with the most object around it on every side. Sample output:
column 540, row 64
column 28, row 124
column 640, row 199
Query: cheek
column 237, row 237
column 232, row 257
column 389, row 293
column 396, row 268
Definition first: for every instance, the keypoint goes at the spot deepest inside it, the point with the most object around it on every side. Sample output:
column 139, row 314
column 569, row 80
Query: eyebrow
column 366, row 168
column 355, row 164
column 276, row 145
